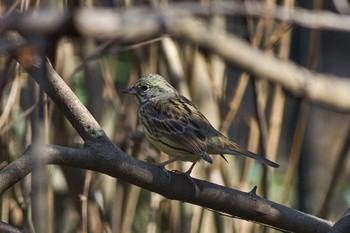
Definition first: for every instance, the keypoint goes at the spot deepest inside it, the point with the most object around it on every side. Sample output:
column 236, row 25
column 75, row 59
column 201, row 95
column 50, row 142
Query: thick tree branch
column 116, row 163
column 65, row 99
column 6, row 228
column 342, row 225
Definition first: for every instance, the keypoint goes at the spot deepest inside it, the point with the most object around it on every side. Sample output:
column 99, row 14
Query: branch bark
column 342, row 225
column 107, row 159
column 6, row 228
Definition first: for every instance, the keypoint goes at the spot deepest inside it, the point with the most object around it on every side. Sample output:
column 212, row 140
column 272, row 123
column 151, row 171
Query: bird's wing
column 174, row 123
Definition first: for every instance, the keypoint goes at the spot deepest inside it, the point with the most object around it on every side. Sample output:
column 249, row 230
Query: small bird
column 175, row 126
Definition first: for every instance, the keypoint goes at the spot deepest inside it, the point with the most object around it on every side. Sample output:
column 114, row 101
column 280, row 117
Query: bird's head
column 151, row 86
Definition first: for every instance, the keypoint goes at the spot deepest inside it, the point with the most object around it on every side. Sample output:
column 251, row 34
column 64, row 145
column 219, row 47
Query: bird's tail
column 229, row 147
column 252, row 155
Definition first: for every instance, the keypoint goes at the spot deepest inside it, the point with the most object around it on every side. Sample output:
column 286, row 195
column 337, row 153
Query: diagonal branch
column 342, row 225
column 66, row 100
column 6, row 228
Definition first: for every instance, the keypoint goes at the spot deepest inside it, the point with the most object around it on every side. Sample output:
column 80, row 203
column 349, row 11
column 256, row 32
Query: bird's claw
column 161, row 166
column 167, row 173
column 194, row 184
column 191, row 179
column 177, row 171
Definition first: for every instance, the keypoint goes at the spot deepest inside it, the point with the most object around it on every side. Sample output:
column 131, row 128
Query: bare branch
column 108, row 160
column 329, row 90
column 50, row 20
column 65, row 99
column 139, row 24
column 6, row 228
column 342, row 225
column 339, row 170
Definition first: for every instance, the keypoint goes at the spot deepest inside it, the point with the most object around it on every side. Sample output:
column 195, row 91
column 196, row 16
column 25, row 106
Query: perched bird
column 175, row 126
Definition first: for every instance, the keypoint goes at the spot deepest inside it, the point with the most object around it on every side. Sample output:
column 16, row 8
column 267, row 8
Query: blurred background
column 307, row 140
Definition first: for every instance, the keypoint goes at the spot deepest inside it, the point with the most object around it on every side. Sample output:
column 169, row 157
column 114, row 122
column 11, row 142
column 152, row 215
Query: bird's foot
column 187, row 173
column 194, row 184
column 167, row 173
column 162, row 166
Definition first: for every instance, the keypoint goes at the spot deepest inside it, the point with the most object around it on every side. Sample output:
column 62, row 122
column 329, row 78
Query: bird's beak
column 130, row 90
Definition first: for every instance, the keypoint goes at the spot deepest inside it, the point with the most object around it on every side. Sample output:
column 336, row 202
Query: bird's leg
column 163, row 164
column 187, row 173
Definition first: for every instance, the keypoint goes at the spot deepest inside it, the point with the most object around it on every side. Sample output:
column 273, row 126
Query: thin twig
column 85, row 202
column 294, row 156
column 261, row 118
column 337, row 172
column 329, row 90
column 108, row 49
column 235, row 101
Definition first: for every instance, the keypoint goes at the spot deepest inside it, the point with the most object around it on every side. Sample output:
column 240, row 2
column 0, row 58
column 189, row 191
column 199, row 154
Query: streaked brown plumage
column 175, row 126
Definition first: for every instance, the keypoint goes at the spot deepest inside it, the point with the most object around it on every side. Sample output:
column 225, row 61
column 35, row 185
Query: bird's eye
column 144, row 88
